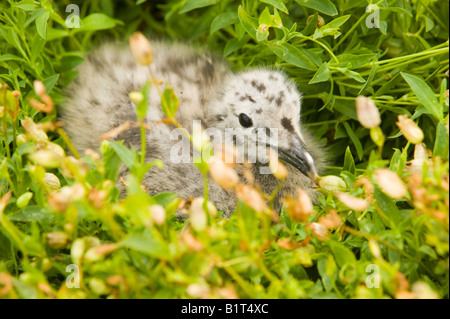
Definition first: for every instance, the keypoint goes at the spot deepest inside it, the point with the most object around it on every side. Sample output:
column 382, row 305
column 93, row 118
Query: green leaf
column 424, row 94
column 169, row 103
column 33, row 213
column 53, row 34
column 277, row 4
column 145, row 241
column 164, row 198
column 324, row 6
column 429, row 251
column 322, row 74
column 97, row 21
column 367, row 85
column 346, row 107
column 284, row 218
column 127, row 156
column 387, row 206
column 324, row 266
column 195, row 4
column 70, row 61
column 261, row 34
column 9, row 57
column 355, row 60
column 341, row 253
column 265, row 18
column 311, row 26
column 349, row 162
column 50, row 82
column 41, row 24
column 420, row 110
column 330, row 268
column 249, row 23
column 397, row 10
column 354, row 139
column 24, row 291
column 429, row 24
column 223, row 20
column 331, row 28
column 293, row 55
column 141, row 108
column 441, row 142
column 352, row 74
column 443, row 98
column 12, row 38
column 278, row 23
column 26, row 5
column 232, row 45
column 36, row 47
column 395, row 162
column 313, row 55
column 111, row 163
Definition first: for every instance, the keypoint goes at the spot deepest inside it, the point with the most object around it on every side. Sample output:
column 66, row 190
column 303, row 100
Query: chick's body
column 98, row 101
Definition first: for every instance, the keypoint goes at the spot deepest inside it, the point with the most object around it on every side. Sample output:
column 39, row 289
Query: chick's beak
column 300, row 158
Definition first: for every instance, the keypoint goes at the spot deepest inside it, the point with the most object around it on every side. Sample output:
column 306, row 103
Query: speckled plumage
column 98, row 101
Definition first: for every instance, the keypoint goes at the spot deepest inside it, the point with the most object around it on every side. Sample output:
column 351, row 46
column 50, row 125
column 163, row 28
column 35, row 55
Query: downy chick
column 261, row 105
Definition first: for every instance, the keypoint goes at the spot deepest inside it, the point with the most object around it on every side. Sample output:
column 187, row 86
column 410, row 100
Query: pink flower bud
column 198, row 291
column 141, row 49
column 423, row 291
column 276, row 167
column 331, row 220
column 420, row 157
column 390, row 183
column 46, row 158
column 352, row 202
column 34, row 132
column 158, row 214
column 319, row 231
column 367, row 112
column 222, row 174
column 331, row 183
column 136, row 97
column 251, row 197
column 57, row 239
column 411, row 131
column 39, row 88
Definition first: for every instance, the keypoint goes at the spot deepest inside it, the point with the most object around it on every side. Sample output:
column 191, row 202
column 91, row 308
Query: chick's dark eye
column 244, row 120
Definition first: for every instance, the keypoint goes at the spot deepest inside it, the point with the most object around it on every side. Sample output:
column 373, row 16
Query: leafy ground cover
column 380, row 230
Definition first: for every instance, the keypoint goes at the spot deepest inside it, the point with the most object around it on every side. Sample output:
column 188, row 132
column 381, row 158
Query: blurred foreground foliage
column 65, row 234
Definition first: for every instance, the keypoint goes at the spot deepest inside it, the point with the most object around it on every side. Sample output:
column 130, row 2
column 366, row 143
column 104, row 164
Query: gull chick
column 260, row 107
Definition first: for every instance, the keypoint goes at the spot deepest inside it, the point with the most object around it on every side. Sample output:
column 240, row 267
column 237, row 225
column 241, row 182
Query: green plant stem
column 14, row 127
column 143, row 144
column 383, row 215
column 13, row 255
column 349, row 32
column 241, row 282
column 341, row 168
column 321, row 123
column 9, row 228
column 206, row 195
column 275, row 192
column 5, row 136
column 355, row 25
column 330, row 52
column 68, row 142
column 427, row 53
column 264, row 270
